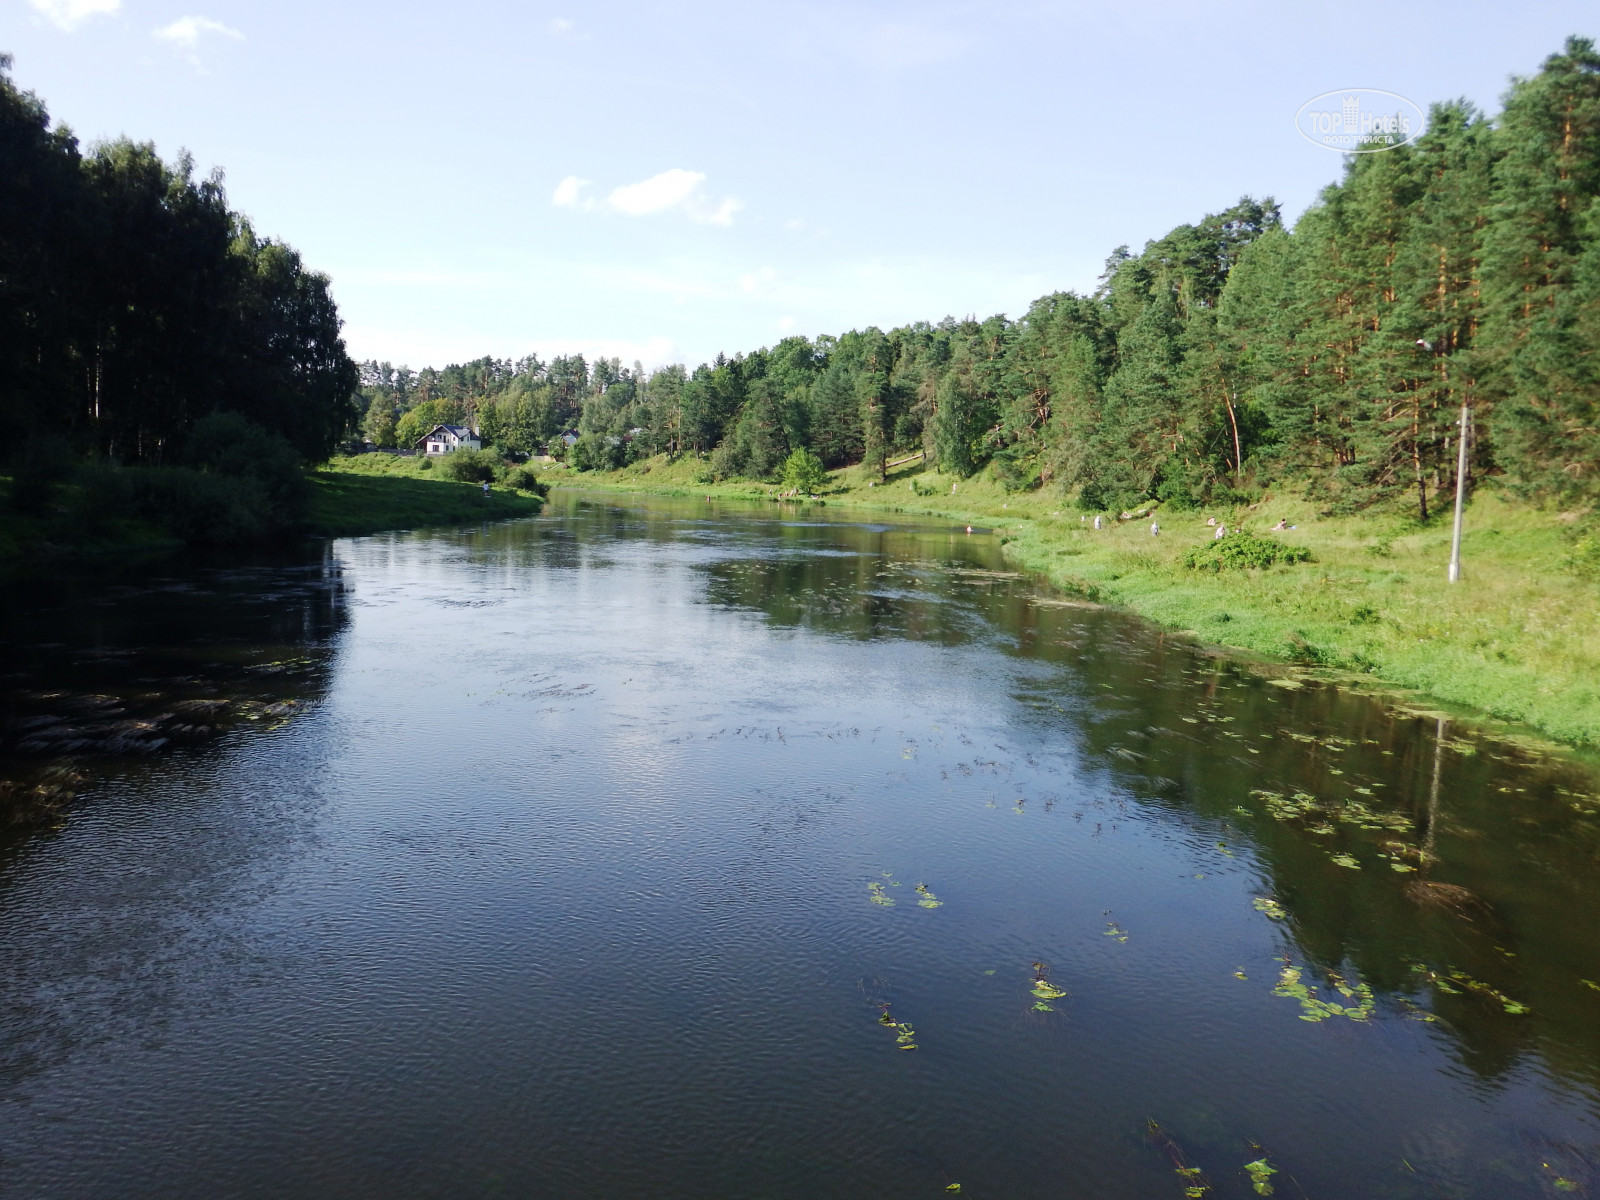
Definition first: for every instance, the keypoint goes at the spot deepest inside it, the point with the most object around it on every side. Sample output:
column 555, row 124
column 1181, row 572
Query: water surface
column 578, row 857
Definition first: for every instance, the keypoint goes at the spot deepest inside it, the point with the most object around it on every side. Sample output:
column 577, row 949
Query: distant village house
column 442, row 439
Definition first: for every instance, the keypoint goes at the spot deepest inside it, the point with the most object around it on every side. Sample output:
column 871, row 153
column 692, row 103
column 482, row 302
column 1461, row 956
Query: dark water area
column 656, row 848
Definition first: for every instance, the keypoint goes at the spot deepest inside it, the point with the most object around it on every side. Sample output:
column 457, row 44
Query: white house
column 442, row 439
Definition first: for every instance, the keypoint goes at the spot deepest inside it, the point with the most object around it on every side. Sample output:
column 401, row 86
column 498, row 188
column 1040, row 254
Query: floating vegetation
column 1265, row 904
column 1345, row 860
column 1450, row 897
column 877, row 895
column 1302, row 806
column 1261, row 1172
column 1043, row 989
column 904, row 1035
column 952, row 1187
column 1456, row 982
column 928, row 899
column 1195, row 1183
column 1313, row 1007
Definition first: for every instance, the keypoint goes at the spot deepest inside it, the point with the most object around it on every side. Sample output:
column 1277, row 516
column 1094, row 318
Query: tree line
column 1225, row 355
column 134, row 304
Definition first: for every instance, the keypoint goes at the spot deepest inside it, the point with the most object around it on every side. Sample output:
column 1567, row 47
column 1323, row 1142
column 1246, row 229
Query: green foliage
column 470, row 466
column 524, row 479
column 226, row 444
column 380, row 422
column 1240, row 551
column 133, row 302
column 803, row 472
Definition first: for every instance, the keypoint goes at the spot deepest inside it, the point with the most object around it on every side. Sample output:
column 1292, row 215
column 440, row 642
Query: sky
column 662, row 182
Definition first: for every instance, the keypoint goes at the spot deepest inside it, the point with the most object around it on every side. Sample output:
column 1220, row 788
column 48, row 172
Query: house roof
column 459, row 431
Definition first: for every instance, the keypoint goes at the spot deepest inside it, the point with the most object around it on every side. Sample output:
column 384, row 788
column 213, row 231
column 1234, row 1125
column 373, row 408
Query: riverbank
column 354, row 497
column 83, row 518
column 1516, row 638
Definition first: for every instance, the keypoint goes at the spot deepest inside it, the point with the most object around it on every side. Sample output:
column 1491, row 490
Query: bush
column 226, row 444
column 43, row 463
column 1241, row 550
column 469, row 466
column 197, row 507
column 803, row 472
column 524, row 479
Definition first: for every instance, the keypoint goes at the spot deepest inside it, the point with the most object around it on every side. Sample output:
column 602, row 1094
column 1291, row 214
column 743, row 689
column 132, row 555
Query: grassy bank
column 1517, row 638
column 373, row 492
column 106, row 513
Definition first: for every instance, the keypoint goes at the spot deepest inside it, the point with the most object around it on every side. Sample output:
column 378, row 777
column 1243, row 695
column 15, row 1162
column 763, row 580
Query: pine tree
column 1540, row 233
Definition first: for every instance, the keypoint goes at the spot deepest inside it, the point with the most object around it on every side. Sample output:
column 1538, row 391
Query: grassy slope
column 1517, row 637
column 379, row 491
column 352, row 497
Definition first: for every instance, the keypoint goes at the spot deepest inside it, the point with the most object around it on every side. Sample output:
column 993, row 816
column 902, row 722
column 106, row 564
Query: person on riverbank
column 1155, row 529
column 1222, row 532
column 1097, row 520
column 485, row 489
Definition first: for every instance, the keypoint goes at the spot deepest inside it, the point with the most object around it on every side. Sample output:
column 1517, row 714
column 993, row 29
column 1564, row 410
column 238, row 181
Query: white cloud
column 562, row 24
column 566, row 193
column 669, row 189
column 785, row 324
column 69, row 14
column 185, row 34
column 674, row 190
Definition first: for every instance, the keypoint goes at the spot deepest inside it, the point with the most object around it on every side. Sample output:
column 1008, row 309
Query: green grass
column 354, row 497
column 1517, row 638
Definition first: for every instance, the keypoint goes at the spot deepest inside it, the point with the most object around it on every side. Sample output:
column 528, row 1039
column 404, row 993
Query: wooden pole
column 1461, row 491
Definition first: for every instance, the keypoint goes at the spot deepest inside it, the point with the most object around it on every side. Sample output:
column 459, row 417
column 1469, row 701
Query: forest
column 1224, row 356
column 157, row 355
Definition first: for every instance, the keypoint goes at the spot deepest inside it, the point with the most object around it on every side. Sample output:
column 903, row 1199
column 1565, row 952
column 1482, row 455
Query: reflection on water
column 660, row 848
column 106, row 665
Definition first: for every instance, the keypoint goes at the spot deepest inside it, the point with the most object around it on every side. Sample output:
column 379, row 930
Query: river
column 671, row 848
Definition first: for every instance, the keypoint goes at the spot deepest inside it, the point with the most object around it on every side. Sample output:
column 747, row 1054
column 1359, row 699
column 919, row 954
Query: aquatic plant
column 1313, row 1007
column 877, row 895
column 1265, row 904
column 1195, row 1183
column 1261, row 1172
column 1043, row 989
column 1453, row 982
column 928, row 900
column 904, row 1036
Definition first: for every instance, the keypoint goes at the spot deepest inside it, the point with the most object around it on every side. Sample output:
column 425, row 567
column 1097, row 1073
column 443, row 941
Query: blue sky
column 662, row 181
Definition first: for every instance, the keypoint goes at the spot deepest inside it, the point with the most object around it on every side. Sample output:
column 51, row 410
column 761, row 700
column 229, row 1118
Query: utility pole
column 1461, row 491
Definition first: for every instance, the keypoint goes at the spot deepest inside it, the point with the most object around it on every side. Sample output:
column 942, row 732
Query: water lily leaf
column 1261, row 1173
column 1265, row 904
column 1344, row 860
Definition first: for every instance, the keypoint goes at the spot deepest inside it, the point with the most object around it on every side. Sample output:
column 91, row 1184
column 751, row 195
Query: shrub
column 198, row 507
column 803, row 472
column 43, row 463
column 1242, row 550
column 523, row 478
column 226, row 444
column 469, row 466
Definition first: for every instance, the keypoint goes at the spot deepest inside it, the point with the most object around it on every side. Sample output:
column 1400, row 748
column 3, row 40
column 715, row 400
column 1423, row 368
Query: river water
column 579, row 857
